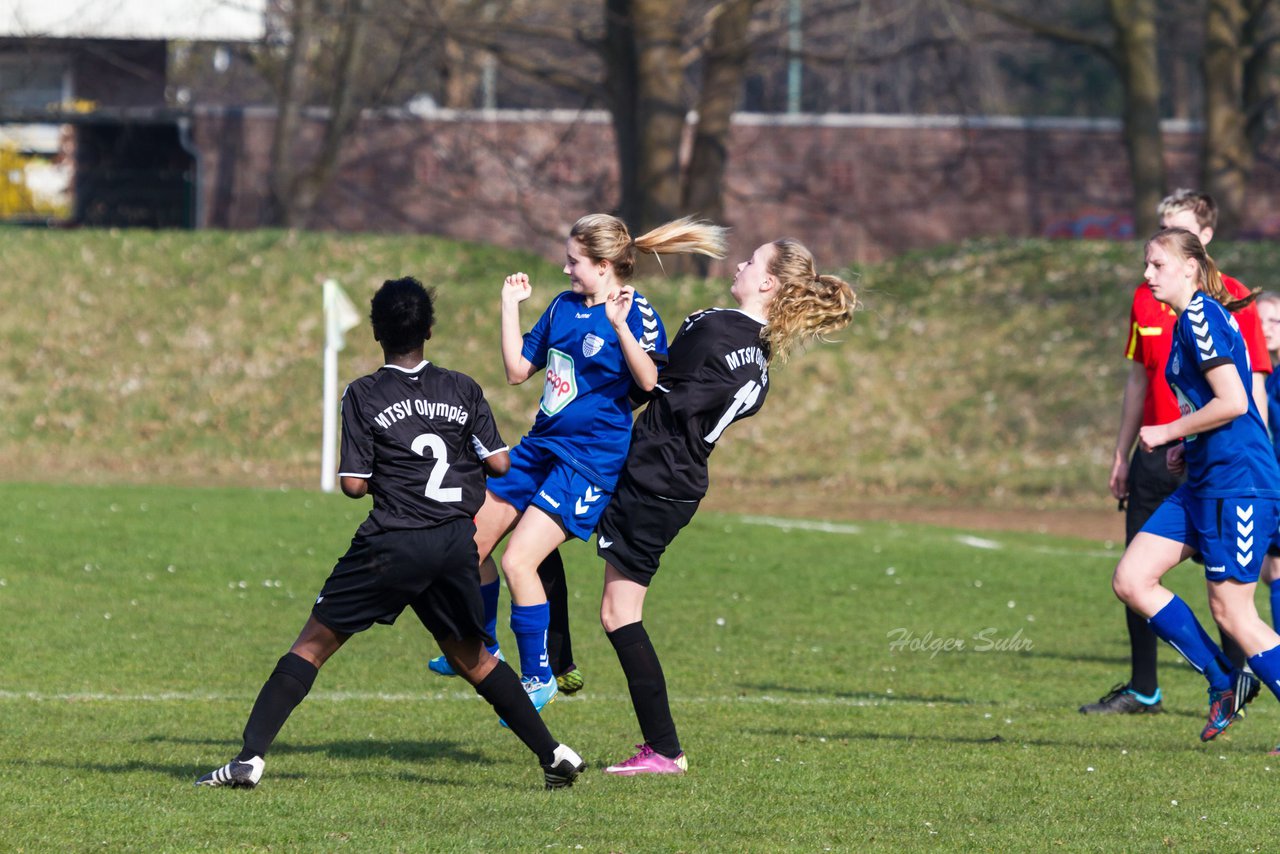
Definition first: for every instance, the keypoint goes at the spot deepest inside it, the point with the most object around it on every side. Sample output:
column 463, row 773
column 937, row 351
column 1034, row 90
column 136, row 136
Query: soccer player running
column 1140, row 480
column 717, row 373
column 419, row 439
column 590, row 345
column 1227, row 510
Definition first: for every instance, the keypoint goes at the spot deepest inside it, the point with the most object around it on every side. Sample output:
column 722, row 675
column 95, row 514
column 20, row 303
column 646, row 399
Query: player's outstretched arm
column 515, row 290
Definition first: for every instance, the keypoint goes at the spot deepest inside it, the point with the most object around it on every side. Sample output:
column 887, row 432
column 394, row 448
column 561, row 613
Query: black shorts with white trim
column 637, row 527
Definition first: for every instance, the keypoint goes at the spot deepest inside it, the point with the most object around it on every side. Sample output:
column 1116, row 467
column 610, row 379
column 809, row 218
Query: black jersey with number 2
column 717, row 373
column 418, row 436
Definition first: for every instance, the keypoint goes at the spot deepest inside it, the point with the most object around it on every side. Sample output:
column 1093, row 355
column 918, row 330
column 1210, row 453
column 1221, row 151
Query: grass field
column 140, row 622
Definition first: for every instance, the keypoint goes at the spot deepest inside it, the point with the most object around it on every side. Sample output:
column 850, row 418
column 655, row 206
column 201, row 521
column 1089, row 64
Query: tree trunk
column 723, row 70
column 660, row 112
column 1135, row 28
column 1228, row 156
column 344, row 109
column 1261, row 86
column 292, row 99
column 622, row 83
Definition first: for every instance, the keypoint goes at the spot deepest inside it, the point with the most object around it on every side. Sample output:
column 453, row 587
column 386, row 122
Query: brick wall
column 854, row 189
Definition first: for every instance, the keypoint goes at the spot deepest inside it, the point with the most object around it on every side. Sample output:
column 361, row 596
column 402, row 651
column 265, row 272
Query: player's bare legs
column 494, row 521
column 535, row 536
column 622, row 602
column 1137, row 583
column 317, row 642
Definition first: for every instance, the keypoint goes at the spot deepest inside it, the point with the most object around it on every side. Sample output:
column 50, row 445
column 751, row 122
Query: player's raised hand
column 516, row 288
column 618, row 305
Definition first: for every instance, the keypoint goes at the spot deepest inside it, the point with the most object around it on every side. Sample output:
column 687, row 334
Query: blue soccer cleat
column 441, row 665
column 540, row 693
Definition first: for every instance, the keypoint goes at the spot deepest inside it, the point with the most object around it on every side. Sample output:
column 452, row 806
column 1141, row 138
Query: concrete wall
column 854, row 188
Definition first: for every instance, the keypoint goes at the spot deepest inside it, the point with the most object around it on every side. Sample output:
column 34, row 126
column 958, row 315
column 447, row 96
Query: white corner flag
column 339, row 316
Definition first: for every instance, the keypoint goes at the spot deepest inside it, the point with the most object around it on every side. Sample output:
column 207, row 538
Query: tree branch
column 1045, row 29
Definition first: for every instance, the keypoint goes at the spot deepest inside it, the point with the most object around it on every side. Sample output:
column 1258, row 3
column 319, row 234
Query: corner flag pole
column 339, row 316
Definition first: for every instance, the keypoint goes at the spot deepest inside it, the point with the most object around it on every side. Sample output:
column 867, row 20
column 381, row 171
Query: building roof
column 199, row 20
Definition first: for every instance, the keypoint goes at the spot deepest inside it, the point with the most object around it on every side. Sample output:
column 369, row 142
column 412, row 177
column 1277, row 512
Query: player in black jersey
column 717, row 373
column 419, row 439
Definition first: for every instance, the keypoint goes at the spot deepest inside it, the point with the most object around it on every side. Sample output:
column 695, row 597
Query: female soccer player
column 717, row 373
column 1227, row 510
column 416, row 437
column 590, row 345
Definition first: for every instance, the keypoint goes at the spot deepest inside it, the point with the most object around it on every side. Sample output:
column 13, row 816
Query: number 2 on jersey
column 433, row 443
column 743, row 400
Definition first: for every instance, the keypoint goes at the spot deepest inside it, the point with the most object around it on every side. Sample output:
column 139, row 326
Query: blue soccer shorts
column 1231, row 534
column 540, row 479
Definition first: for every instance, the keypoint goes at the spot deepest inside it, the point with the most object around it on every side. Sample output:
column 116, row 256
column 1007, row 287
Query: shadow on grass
column 415, row 752
column 1077, row 658
column 994, row 741
column 868, row 697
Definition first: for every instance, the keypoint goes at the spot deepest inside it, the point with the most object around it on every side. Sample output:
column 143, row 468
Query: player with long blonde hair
column 717, row 373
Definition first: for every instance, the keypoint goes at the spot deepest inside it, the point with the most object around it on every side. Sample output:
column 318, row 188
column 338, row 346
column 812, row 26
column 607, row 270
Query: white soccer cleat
column 565, row 767
column 237, row 775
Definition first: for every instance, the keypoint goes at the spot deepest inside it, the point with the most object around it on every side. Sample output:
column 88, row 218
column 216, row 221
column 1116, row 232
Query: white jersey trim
column 484, row 453
column 412, row 370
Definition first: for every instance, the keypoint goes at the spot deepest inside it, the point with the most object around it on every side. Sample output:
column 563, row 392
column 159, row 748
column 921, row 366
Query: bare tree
column 296, row 183
column 1239, row 95
column 1130, row 47
column 639, row 67
column 723, row 68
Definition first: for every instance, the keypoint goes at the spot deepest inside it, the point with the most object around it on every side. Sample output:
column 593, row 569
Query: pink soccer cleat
column 649, row 762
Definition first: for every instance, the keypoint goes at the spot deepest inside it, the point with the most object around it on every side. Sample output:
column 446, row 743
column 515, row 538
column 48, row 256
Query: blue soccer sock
column 1177, row 626
column 529, row 625
column 489, row 595
column 1224, row 661
column 1266, row 665
column 1275, row 603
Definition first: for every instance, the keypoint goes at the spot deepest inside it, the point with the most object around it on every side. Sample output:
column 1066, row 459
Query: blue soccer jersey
column 1273, row 409
column 1236, row 459
column 585, row 415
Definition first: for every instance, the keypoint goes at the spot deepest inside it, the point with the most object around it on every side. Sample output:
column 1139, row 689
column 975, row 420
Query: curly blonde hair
column 807, row 305
column 605, row 238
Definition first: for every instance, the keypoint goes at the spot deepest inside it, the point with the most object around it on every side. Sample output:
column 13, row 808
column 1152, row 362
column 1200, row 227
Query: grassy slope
column 989, row 372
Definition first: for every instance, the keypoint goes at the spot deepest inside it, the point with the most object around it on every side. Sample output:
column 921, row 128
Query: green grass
column 989, row 372
column 141, row 620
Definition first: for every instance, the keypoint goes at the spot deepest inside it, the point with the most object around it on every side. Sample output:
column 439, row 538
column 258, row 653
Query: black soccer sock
column 280, row 695
column 559, row 644
column 1142, row 654
column 648, row 687
column 502, row 689
column 1232, row 650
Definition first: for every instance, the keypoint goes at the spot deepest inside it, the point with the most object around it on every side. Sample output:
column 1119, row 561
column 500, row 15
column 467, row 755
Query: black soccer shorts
column 637, row 527
column 434, row 571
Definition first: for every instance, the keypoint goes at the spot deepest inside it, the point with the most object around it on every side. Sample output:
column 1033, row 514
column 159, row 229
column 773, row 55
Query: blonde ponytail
column 605, row 238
